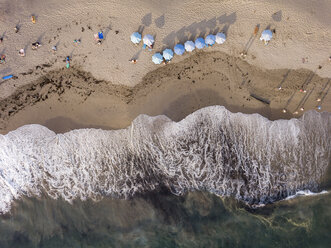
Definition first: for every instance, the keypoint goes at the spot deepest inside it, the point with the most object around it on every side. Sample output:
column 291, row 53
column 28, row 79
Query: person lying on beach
column 54, row 49
column 2, row 59
column 133, row 61
column 21, row 52
column 35, row 45
column 33, row 19
column 77, row 41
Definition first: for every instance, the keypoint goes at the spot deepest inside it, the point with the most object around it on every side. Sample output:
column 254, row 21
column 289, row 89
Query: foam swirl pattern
column 245, row 156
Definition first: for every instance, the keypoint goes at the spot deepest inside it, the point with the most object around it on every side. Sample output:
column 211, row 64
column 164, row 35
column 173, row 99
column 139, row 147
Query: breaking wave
column 245, row 156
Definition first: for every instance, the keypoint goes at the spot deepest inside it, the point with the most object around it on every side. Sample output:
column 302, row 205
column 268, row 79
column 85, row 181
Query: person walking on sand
column 2, row 59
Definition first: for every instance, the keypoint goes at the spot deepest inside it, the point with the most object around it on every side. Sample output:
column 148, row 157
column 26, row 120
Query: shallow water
column 159, row 183
column 243, row 156
column 197, row 219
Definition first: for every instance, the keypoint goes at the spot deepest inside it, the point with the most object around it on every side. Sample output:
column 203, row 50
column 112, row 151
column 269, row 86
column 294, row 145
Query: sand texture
column 102, row 89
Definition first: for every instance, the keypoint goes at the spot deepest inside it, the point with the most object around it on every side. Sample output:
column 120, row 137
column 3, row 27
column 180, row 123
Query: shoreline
column 63, row 99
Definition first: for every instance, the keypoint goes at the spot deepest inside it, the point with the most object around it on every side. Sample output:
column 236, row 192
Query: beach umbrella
column 168, row 54
column 157, row 58
column 136, row 37
column 210, row 39
column 266, row 36
column 179, row 49
column 189, row 46
column 200, row 43
column 148, row 40
column 220, row 38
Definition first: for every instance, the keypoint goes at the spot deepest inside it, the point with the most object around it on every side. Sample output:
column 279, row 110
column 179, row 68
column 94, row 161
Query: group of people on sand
column 35, row 45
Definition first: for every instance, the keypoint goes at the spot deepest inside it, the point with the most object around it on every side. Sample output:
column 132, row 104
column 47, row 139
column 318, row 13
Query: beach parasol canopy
column 148, row 40
column 179, row 49
column 200, row 43
column 168, row 54
column 136, row 37
column 220, row 38
column 157, row 58
column 189, row 46
column 210, row 39
column 266, row 35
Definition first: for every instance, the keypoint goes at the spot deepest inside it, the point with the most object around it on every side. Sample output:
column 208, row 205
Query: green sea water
column 197, row 219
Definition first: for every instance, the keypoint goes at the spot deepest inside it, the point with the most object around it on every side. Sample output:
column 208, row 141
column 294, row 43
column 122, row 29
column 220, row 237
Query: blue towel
column 100, row 35
column 7, row 77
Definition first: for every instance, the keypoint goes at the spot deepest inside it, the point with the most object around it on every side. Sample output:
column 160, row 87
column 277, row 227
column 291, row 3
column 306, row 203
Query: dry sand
column 102, row 89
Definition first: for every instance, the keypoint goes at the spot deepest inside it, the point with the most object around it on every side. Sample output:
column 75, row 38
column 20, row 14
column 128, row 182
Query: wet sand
column 63, row 99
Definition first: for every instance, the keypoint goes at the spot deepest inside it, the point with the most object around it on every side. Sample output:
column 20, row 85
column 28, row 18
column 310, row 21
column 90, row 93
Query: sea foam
column 244, row 156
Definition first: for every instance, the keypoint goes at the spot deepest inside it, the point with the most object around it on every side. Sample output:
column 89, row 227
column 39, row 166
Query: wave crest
column 245, row 156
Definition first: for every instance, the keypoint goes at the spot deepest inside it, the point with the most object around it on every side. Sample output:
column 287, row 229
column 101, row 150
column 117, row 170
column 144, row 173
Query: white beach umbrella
column 168, row 54
column 210, row 39
column 136, row 37
column 220, row 38
column 266, row 36
column 189, row 46
column 148, row 40
column 157, row 58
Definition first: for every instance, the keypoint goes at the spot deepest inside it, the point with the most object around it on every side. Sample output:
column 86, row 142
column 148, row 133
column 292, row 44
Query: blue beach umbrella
column 148, row 40
column 168, row 54
column 210, row 39
column 220, row 38
column 179, row 49
column 189, row 46
column 200, row 43
column 157, row 58
column 136, row 37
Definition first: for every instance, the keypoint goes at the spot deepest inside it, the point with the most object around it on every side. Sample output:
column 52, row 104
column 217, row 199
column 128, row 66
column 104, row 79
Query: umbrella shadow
column 251, row 40
column 147, row 20
column 284, row 78
column 3, row 35
column 107, row 29
column 41, row 37
column 277, row 16
column 160, row 21
column 289, row 100
column 200, row 29
column 141, row 29
column 308, row 80
column 326, row 93
column 136, row 56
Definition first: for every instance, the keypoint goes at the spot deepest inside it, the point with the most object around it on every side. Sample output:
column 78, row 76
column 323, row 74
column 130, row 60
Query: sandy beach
column 103, row 90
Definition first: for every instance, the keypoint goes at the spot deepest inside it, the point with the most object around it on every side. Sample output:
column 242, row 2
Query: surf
column 245, row 156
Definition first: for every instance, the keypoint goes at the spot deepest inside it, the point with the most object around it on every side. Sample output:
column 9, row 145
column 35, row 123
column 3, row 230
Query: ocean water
column 160, row 183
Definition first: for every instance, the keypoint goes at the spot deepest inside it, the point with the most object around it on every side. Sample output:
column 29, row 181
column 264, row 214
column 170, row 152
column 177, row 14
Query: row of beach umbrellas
column 189, row 45
column 179, row 49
